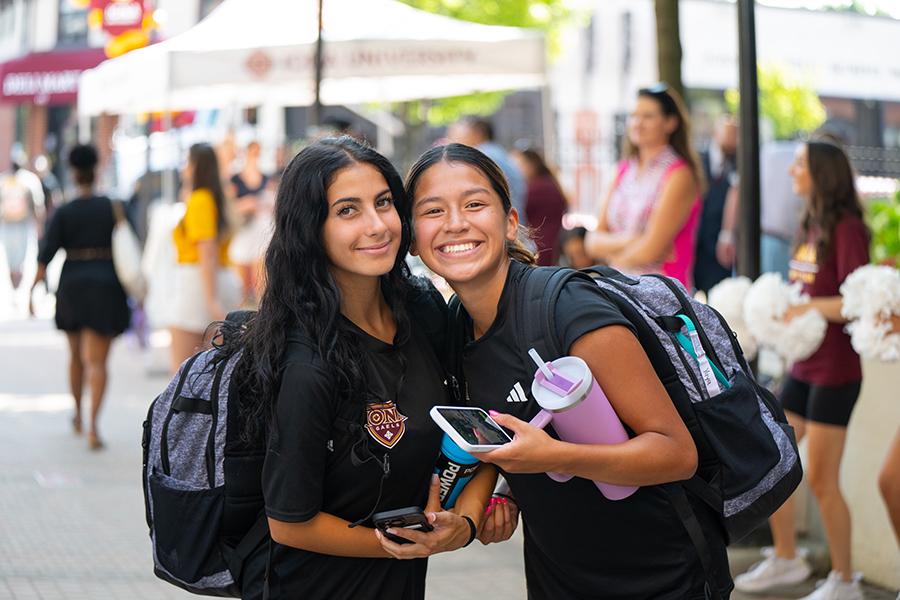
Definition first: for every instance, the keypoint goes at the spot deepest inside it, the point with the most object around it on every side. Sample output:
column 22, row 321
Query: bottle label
column 453, row 476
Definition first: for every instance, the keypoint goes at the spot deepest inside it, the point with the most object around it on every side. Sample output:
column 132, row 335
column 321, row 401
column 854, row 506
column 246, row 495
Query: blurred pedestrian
column 821, row 391
column 205, row 289
column 91, row 306
column 545, row 204
column 52, row 190
column 573, row 253
column 249, row 188
column 719, row 168
column 889, row 476
column 648, row 222
column 21, row 213
column 479, row 133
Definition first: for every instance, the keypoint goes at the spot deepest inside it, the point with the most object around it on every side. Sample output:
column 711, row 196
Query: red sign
column 46, row 77
column 120, row 16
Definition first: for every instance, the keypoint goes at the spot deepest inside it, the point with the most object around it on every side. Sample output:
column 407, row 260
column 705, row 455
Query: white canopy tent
column 261, row 52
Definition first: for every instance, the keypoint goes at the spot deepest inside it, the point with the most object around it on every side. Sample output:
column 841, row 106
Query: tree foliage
column 541, row 14
column 546, row 15
column 791, row 106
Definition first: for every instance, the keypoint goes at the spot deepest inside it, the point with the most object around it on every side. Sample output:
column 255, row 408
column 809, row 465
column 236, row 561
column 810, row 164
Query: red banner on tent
column 46, row 77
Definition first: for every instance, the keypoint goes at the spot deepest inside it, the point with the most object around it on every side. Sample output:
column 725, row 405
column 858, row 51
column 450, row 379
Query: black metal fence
column 875, row 162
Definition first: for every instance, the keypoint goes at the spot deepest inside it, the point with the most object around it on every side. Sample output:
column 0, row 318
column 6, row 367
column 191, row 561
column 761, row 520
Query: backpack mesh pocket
column 732, row 425
column 188, row 550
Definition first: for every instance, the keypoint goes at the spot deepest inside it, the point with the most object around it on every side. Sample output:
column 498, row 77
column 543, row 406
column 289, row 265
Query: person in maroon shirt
column 820, row 392
column 545, row 204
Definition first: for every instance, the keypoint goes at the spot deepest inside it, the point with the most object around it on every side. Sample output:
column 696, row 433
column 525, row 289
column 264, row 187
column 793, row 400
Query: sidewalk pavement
column 72, row 521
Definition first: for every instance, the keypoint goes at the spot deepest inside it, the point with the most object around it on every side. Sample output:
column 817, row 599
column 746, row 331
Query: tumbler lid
column 573, row 369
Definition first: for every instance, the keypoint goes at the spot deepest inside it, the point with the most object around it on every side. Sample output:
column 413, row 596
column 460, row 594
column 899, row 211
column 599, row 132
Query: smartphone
column 411, row 517
column 471, row 428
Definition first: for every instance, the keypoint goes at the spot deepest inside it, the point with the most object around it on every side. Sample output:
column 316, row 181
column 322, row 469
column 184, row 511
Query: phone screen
column 474, row 426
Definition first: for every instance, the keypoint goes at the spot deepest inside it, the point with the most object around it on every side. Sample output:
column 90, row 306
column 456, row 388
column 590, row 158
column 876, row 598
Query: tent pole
column 168, row 175
column 748, row 153
column 315, row 115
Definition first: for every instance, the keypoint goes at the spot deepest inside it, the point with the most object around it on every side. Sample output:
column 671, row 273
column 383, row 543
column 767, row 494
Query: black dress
column 89, row 295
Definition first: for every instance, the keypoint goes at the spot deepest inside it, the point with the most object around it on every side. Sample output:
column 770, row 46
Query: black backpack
column 202, row 488
column 748, row 459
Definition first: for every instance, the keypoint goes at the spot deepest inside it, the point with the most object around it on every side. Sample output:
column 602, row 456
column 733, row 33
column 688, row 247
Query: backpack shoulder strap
column 538, row 290
column 453, row 351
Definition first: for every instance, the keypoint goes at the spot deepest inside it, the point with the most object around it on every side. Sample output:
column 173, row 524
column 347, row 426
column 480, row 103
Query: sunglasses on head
column 661, row 92
column 657, row 89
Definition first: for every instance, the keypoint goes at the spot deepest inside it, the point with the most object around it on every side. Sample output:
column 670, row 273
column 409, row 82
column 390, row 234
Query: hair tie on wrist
column 473, row 531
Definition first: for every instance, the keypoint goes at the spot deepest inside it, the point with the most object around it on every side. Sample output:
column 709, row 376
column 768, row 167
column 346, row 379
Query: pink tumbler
column 579, row 410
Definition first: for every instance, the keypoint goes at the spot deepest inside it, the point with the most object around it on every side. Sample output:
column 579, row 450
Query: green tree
column 790, row 105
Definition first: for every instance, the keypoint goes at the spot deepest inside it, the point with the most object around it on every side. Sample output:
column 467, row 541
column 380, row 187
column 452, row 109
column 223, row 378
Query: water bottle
column 570, row 398
column 455, row 467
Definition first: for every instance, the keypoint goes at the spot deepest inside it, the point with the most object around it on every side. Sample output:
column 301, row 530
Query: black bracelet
column 473, row 531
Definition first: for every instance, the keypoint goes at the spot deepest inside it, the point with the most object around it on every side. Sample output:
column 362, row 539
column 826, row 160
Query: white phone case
column 455, row 435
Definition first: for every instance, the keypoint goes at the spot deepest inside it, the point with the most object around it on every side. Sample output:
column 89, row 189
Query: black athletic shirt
column 308, row 468
column 578, row 544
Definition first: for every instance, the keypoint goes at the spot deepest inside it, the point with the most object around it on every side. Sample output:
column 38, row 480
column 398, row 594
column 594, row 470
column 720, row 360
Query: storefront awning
column 46, row 77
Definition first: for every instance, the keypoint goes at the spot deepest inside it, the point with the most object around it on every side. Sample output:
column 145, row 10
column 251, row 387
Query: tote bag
column 126, row 253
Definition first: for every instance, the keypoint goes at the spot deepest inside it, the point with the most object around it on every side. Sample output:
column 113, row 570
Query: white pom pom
column 870, row 291
column 727, row 297
column 764, row 307
column 802, row 336
column 870, row 295
column 746, row 341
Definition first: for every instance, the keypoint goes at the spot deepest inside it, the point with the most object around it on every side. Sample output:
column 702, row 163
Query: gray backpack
column 748, row 459
column 202, row 489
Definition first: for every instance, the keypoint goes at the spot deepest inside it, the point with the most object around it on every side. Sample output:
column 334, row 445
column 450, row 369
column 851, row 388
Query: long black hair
column 301, row 294
column 460, row 153
column 833, row 194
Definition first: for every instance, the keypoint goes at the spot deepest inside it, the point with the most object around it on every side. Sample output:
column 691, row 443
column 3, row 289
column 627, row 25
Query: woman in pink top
column 649, row 219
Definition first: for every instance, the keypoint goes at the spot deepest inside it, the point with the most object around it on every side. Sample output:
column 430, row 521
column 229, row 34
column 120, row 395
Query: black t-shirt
column 308, row 466
column 578, row 544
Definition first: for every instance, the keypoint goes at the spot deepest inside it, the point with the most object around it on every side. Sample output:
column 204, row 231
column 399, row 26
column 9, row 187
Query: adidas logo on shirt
column 517, row 394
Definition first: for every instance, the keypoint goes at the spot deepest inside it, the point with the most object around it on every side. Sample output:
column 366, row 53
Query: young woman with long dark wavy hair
column 339, row 372
column 821, row 391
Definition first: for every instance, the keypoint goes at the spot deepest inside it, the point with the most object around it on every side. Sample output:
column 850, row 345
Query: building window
column 7, row 18
column 73, row 25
